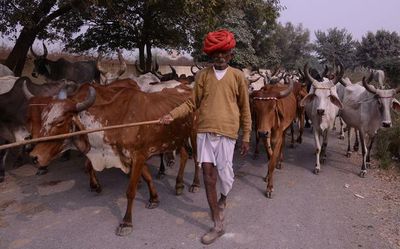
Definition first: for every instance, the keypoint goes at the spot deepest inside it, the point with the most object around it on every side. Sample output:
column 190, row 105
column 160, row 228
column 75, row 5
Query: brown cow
column 126, row 148
column 275, row 107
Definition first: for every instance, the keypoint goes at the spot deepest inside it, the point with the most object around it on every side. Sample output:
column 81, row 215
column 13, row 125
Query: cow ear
column 336, row 101
column 396, row 105
column 307, row 99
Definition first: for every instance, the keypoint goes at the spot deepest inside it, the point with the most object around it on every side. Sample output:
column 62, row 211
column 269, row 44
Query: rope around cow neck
column 67, row 135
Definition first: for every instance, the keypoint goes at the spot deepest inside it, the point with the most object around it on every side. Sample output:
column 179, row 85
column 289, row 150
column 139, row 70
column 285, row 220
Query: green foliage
column 335, row 45
column 387, row 143
column 287, row 46
column 375, row 48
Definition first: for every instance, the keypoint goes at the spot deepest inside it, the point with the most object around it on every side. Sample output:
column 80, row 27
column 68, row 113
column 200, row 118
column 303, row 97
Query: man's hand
column 166, row 119
column 245, row 148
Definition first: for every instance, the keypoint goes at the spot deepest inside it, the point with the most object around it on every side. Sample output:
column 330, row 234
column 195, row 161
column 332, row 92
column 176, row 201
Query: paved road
column 307, row 211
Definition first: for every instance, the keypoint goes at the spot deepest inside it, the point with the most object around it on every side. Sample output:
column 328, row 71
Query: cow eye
column 60, row 123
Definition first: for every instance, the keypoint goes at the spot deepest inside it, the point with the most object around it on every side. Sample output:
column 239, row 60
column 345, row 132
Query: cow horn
column 367, row 86
column 286, row 92
column 300, row 72
column 173, row 70
column 308, row 76
column 122, row 63
column 26, row 91
column 33, row 53
column 88, row 101
column 370, row 78
column 339, row 74
column 267, row 80
column 98, row 64
column 138, row 69
column 44, row 51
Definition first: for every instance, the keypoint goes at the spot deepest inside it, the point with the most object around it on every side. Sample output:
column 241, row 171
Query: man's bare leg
column 210, row 176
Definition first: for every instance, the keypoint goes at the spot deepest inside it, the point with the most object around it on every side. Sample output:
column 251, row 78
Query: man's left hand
column 245, row 148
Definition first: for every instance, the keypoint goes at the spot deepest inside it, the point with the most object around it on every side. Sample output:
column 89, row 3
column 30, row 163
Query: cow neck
column 265, row 98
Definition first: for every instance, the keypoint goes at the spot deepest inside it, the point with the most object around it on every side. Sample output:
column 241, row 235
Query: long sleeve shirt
column 223, row 104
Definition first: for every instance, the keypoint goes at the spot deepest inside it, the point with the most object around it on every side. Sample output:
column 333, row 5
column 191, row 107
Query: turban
column 220, row 40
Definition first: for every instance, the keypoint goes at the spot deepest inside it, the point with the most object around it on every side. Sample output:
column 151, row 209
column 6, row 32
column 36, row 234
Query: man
column 221, row 98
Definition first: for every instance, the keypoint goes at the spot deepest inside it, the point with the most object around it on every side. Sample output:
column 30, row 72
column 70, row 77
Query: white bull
column 367, row 109
column 322, row 105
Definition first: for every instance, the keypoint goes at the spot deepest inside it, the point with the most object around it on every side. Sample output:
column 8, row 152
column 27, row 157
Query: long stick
column 42, row 139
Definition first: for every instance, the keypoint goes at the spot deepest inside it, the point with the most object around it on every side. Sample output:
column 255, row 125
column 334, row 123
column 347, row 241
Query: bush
column 387, row 143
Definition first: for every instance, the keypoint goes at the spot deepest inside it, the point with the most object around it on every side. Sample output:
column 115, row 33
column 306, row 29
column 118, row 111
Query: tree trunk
column 149, row 57
column 16, row 59
column 141, row 57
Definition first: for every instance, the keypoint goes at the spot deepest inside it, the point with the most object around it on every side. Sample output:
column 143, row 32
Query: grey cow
column 79, row 72
column 367, row 109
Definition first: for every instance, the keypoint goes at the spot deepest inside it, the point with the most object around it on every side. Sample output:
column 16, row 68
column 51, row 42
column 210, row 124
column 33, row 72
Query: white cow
column 379, row 76
column 322, row 105
column 367, row 109
column 108, row 77
column 5, row 71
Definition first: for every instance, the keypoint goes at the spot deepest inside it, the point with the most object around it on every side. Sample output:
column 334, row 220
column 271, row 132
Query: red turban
column 220, row 40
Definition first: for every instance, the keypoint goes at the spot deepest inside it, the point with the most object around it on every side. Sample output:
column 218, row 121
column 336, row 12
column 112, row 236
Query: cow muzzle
column 386, row 124
column 263, row 134
column 320, row 112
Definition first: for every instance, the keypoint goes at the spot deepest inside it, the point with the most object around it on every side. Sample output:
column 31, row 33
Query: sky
column 356, row 16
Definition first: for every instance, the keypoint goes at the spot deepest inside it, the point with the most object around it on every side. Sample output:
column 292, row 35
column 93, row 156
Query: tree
column 335, row 45
column 375, row 48
column 249, row 20
column 32, row 17
column 288, row 46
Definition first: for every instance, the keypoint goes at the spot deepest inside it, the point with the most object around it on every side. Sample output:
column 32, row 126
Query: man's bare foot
column 212, row 235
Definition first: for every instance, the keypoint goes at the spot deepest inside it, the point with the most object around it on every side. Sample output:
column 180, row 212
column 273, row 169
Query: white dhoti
column 217, row 149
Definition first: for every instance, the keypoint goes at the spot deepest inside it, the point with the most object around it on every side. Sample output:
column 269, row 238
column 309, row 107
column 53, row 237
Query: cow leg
column 307, row 124
column 256, row 151
column 348, row 154
column 301, row 129
column 334, row 123
column 195, row 187
column 161, row 170
column 125, row 226
column 277, row 145
column 153, row 201
column 2, row 164
column 356, row 143
column 292, row 135
column 364, row 154
column 94, row 182
column 267, row 145
column 280, row 155
column 317, row 152
column 368, row 160
column 341, row 133
column 179, row 186
column 324, row 145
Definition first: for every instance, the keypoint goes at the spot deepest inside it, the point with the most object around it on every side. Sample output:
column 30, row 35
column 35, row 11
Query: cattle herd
column 83, row 95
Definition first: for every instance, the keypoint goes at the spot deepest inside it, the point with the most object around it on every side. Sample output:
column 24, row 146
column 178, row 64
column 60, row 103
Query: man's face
column 221, row 59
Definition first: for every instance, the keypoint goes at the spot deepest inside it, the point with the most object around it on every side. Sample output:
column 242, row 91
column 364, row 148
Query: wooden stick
column 66, row 135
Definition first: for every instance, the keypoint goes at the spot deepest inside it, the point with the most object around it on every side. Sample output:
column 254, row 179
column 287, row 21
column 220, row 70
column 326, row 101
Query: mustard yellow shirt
column 223, row 104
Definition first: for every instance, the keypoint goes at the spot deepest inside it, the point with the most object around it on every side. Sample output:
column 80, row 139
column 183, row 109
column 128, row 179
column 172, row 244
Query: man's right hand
column 166, row 119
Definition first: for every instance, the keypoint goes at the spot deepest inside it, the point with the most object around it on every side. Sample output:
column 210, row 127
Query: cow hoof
column 355, row 148
column 368, row 165
column 179, row 190
column 268, row 194
column 363, row 173
column 292, row 145
column 96, row 189
column 42, row 171
column 316, row 171
column 152, row 204
column 124, row 229
column 279, row 166
column 299, row 140
column 1, row 178
column 341, row 137
column 194, row 189
column 348, row 154
column 160, row 175
column 265, row 178
column 323, row 160
column 307, row 125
